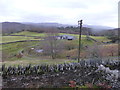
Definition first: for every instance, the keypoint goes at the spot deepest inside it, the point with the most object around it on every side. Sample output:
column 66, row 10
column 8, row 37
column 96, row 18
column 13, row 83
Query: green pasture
column 76, row 35
column 100, row 38
column 6, row 39
column 9, row 50
column 84, row 42
column 27, row 33
column 36, row 61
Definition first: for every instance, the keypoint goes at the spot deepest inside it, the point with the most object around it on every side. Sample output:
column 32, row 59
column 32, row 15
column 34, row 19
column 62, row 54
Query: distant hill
column 47, row 24
column 109, row 32
column 98, row 27
column 12, row 27
column 9, row 27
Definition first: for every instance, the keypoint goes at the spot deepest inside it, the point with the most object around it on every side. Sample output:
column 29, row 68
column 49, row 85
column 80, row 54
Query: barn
column 68, row 37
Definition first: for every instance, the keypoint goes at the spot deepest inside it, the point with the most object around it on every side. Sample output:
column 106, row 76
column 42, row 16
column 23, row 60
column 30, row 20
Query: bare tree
column 51, row 45
column 94, row 51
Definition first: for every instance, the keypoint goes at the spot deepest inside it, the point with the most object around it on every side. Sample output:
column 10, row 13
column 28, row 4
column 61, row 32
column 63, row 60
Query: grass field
column 14, row 48
column 36, row 61
column 100, row 38
column 27, row 33
column 84, row 42
column 6, row 39
column 10, row 50
column 76, row 35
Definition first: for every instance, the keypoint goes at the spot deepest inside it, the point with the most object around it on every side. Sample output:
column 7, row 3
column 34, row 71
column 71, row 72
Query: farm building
column 68, row 37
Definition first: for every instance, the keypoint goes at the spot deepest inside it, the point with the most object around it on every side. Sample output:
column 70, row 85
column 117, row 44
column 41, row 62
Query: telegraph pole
column 80, row 25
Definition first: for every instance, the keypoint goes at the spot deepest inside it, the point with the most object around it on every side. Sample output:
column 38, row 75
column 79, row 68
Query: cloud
column 101, row 12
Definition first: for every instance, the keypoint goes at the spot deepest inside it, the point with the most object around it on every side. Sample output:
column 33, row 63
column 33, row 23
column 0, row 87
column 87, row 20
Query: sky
column 92, row 12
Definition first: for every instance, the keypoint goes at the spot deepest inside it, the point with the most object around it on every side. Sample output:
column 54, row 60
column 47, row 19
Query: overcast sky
column 93, row 12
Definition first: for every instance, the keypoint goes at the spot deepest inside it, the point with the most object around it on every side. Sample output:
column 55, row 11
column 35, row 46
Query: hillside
column 10, row 27
column 23, row 41
column 13, row 27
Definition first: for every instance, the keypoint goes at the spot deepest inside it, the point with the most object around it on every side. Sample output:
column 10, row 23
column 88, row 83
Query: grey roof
column 67, row 36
